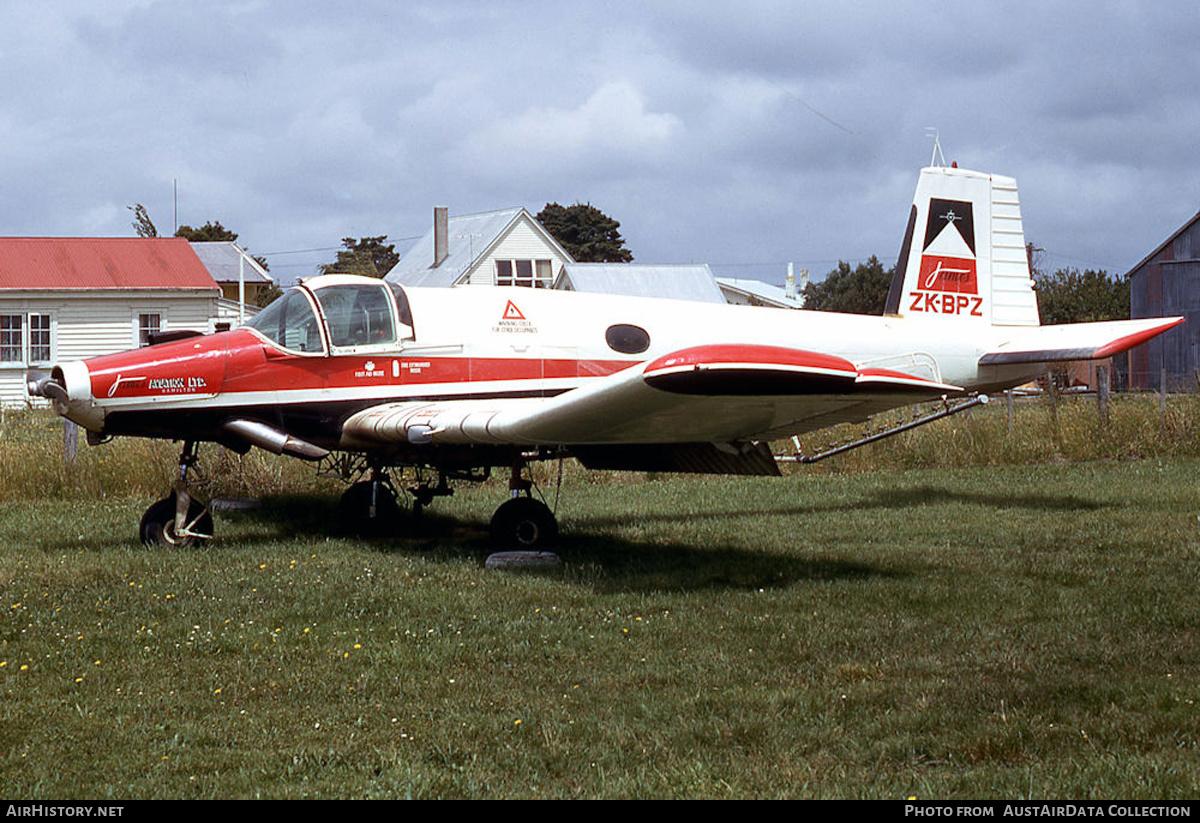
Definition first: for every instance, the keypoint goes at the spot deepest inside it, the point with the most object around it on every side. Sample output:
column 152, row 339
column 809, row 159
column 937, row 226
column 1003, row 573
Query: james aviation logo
column 948, row 282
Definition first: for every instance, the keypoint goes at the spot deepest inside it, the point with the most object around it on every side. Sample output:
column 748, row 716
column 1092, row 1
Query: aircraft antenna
column 938, row 158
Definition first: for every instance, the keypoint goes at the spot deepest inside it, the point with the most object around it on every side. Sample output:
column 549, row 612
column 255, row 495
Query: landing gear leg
column 178, row 520
column 424, row 493
column 371, row 507
column 523, row 522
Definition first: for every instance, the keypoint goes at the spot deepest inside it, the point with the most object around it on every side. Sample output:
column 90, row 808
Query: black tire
column 525, row 524
column 370, row 508
column 158, row 524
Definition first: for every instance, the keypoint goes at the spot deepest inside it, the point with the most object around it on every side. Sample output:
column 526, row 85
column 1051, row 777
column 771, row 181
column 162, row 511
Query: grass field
column 888, row 630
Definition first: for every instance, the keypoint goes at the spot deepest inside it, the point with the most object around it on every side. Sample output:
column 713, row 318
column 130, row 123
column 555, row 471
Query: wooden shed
column 1167, row 284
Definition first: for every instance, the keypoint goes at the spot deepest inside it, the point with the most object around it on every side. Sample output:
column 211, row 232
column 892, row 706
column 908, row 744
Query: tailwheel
column 159, row 524
column 370, row 507
column 524, row 523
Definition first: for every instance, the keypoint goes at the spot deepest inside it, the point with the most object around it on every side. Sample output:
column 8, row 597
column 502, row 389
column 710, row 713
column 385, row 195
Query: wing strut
column 946, row 410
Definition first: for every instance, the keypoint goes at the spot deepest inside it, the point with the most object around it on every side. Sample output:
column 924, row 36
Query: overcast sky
column 740, row 134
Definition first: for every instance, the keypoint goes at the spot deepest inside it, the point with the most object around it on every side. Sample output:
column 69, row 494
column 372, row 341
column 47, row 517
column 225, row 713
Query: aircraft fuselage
column 465, row 344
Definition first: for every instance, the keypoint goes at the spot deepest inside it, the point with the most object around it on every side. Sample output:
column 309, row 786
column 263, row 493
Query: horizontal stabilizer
column 1076, row 341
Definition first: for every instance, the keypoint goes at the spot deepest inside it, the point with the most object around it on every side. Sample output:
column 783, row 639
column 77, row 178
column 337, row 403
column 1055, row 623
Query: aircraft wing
column 703, row 394
column 1075, row 341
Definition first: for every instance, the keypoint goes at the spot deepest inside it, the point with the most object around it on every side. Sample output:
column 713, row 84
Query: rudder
column 963, row 258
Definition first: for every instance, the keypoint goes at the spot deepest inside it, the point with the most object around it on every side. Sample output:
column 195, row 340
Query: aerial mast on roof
column 938, row 158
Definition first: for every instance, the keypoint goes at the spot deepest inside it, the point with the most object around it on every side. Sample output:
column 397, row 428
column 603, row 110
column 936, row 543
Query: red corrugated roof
column 101, row 263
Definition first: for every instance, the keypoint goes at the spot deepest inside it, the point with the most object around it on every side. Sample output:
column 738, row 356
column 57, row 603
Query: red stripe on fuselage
column 239, row 361
column 195, row 365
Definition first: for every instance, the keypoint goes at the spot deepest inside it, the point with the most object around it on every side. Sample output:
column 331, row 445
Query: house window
column 148, row 323
column 11, row 348
column 529, row 273
column 25, row 338
column 39, row 338
column 504, row 273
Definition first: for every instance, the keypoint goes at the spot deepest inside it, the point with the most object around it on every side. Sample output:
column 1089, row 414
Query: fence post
column 1102, row 394
column 1008, row 395
column 1052, row 390
column 70, row 440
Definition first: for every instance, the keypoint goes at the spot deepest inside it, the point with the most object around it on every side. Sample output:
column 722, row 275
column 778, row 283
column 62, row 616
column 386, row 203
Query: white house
column 70, row 298
column 509, row 247
column 496, row 248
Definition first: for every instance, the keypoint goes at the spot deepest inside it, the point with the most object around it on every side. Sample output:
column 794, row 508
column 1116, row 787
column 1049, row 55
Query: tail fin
column 963, row 258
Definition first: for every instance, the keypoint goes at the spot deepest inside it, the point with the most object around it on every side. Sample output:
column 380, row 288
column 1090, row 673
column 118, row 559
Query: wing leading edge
column 703, row 394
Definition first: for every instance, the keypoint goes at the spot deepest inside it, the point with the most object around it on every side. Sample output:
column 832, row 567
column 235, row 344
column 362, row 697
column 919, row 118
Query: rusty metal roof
column 39, row 263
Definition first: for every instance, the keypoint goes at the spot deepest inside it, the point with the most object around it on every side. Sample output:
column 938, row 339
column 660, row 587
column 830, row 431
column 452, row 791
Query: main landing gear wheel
column 370, row 507
column 525, row 524
column 158, row 524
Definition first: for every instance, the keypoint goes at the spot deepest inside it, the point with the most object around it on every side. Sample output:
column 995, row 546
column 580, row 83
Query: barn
column 1167, row 284
column 70, row 298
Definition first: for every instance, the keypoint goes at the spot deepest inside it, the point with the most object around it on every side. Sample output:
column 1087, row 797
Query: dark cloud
column 746, row 134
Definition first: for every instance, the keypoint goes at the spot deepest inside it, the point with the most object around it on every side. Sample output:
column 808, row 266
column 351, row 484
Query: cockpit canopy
column 337, row 313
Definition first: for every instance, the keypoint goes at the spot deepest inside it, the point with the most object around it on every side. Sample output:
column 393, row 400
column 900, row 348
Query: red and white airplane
column 454, row 382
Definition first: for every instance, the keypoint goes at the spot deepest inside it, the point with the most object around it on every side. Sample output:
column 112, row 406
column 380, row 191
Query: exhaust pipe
column 273, row 440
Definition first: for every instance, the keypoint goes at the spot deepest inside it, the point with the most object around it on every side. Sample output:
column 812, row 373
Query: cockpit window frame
column 397, row 307
column 363, row 319
column 318, row 318
column 403, row 310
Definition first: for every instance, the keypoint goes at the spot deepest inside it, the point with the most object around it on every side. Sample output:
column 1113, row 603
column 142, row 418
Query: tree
column 215, row 232
column 141, row 221
column 367, row 255
column 1067, row 296
column 861, row 290
column 588, row 234
column 206, row 233
column 267, row 294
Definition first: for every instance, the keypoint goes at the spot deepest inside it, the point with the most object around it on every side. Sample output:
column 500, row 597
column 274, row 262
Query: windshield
column 357, row 314
column 291, row 322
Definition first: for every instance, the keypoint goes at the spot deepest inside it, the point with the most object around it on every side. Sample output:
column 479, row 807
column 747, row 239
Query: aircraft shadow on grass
column 608, row 562
column 899, row 499
column 604, row 562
